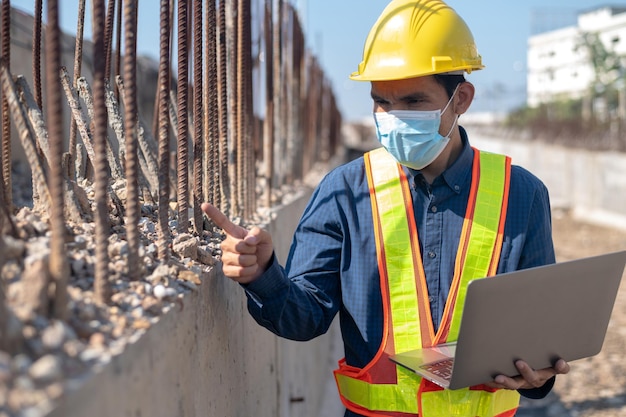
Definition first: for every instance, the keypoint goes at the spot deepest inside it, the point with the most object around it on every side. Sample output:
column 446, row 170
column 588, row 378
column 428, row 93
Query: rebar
column 117, row 66
column 108, row 37
column 78, row 62
column 86, row 93
column 164, row 237
column 78, row 116
column 211, row 111
column 197, row 25
column 183, row 122
column 239, row 147
column 299, row 104
column 102, row 287
column 147, row 146
column 59, row 270
column 26, row 136
column 225, row 88
column 133, row 209
column 73, row 209
column 5, row 159
column 245, row 147
column 37, row 52
column 268, row 125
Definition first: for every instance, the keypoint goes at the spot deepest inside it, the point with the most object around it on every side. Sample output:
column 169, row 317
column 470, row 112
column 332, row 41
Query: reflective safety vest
column 383, row 388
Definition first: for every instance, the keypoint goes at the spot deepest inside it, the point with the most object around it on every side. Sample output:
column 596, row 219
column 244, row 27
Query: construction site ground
column 595, row 387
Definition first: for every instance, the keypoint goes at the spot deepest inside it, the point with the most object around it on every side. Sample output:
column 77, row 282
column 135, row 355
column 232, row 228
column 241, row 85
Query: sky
column 336, row 32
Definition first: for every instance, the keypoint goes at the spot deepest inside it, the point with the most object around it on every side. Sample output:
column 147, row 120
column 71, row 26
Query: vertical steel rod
column 211, row 119
column 163, row 138
column 108, row 37
column 37, row 52
column 133, row 209
column 5, row 160
column 78, row 62
column 102, row 288
column 197, row 27
column 223, row 84
column 268, row 131
column 183, row 121
column 54, row 120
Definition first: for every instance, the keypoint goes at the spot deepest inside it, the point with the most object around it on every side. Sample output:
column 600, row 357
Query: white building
column 559, row 68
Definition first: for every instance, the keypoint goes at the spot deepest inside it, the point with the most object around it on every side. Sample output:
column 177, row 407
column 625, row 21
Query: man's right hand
column 246, row 254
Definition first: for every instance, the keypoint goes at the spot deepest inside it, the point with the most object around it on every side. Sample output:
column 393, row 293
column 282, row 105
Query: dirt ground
column 595, row 387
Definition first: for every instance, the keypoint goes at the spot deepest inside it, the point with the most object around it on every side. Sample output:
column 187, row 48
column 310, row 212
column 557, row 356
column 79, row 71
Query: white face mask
column 412, row 136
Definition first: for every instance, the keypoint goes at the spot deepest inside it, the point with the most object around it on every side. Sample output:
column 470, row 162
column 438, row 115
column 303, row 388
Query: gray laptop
column 537, row 314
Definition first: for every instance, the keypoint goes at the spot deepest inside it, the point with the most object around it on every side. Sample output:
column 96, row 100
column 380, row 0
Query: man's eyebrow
column 414, row 97
column 417, row 96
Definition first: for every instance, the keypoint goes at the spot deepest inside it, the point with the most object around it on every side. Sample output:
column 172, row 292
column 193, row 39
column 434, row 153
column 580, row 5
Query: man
column 389, row 240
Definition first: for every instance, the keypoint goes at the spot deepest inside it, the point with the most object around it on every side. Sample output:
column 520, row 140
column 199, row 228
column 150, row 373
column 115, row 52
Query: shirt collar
column 458, row 175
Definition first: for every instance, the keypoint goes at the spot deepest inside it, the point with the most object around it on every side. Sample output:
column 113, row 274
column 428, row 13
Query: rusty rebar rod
column 73, row 209
column 78, row 115
column 197, row 25
column 108, row 37
column 211, row 112
column 102, row 287
column 164, row 236
column 268, row 125
column 78, row 63
column 183, row 120
column 226, row 167
column 117, row 66
column 59, row 270
column 133, row 209
column 89, row 98
column 243, row 59
column 147, row 146
column 240, row 116
column 248, row 151
column 35, row 116
column 277, row 160
column 5, row 158
column 26, row 135
column 37, row 52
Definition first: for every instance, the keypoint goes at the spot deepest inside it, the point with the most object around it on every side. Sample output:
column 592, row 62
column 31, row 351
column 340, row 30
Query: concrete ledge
column 209, row 358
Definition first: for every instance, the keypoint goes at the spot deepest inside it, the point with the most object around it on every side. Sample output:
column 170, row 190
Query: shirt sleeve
column 299, row 302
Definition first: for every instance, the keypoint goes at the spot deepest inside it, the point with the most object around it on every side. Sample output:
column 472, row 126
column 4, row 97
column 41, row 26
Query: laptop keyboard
column 442, row 368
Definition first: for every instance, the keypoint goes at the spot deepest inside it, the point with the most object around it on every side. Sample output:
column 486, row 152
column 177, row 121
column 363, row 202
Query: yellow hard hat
column 413, row 38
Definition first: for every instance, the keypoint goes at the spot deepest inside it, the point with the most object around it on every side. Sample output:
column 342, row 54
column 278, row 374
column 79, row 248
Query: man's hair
column 449, row 82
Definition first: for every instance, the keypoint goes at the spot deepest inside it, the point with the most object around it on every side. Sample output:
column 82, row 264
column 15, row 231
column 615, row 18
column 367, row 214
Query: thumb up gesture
column 246, row 254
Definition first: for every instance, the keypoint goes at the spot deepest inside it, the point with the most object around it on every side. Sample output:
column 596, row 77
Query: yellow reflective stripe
column 485, row 223
column 397, row 244
column 382, row 397
column 468, row 403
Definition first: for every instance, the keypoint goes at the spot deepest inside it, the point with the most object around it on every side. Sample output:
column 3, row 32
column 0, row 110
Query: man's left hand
column 528, row 377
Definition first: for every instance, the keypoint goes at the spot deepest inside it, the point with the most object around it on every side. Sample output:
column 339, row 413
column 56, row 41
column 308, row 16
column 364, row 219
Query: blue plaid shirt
column 332, row 265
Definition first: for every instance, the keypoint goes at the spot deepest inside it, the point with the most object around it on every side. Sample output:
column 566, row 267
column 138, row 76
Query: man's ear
column 465, row 96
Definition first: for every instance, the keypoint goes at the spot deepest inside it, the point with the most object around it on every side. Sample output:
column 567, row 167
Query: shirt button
column 431, row 299
column 457, row 188
column 433, row 209
column 432, row 254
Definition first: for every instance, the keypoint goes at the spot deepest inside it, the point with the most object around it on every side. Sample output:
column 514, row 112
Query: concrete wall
column 211, row 359
column 592, row 185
